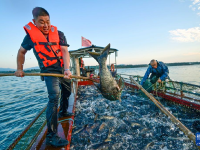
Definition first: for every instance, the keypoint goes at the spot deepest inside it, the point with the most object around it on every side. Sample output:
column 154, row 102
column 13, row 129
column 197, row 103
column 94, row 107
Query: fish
column 102, row 126
column 144, row 130
column 135, row 124
column 179, row 138
column 100, row 146
column 108, row 137
column 82, row 129
column 91, row 129
column 96, row 115
column 107, row 117
column 148, row 145
column 108, row 85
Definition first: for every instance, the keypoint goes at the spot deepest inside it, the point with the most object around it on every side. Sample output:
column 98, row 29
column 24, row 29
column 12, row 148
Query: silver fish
column 102, row 126
column 82, row 129
column 108, row 137
column 96, row 115
column 144, row 130
column 135, row 124
column 108, row 85
column 149, row 145
column 99, row 146
column 107, row 117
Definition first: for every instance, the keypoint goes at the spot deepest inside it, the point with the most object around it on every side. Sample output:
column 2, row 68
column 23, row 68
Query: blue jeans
column 54, row 85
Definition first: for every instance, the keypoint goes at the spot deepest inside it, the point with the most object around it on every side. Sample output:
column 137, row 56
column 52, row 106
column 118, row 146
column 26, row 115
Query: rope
column 69, row 119
column 150, row 86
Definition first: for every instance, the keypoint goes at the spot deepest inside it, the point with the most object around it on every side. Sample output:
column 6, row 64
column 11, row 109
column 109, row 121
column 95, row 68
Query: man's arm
column 66, row 61
column 166, row 72
column 145, row 76
column 20, row 62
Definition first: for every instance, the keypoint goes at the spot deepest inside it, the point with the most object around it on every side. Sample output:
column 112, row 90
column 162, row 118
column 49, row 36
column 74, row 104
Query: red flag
column 86, row 42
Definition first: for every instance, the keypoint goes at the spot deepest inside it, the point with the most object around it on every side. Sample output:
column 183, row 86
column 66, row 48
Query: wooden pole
column 47, row 74
column 183, row 128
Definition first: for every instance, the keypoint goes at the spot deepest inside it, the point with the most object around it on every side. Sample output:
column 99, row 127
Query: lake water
column 22, row 98
column 189, row 74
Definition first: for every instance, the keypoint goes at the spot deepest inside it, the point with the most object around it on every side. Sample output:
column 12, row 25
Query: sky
column 142, row 30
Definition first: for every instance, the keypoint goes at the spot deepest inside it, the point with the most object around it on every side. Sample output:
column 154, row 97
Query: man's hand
column 67, row 74
column 159, row 81
column 19, row 73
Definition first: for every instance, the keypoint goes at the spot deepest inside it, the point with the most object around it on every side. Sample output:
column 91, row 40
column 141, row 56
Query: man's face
column 154, row 64
column 43, row 24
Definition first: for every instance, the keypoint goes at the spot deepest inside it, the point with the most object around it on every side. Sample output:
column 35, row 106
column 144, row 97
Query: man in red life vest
column 51, row 50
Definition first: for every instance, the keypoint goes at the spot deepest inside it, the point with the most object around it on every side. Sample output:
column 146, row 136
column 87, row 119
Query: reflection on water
column 135, row 123
column 188, row 74
column 20, row 100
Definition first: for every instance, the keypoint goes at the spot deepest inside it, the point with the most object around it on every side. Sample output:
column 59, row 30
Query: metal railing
column 179, row 88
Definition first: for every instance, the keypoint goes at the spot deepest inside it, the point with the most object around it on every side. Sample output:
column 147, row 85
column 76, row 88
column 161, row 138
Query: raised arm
column 166, row 72
column 66, row 61
column 146, row 76
column 20, row 62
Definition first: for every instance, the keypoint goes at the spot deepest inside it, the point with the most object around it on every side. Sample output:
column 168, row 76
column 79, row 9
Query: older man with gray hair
column 159, row 72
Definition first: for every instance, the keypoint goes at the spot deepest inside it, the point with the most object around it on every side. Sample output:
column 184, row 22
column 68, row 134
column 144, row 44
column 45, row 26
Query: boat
column 178, row 92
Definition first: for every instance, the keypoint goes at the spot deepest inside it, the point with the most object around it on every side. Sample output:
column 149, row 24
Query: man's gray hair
column 152, row 61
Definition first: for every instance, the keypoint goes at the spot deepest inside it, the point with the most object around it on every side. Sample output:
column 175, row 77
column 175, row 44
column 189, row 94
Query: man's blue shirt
column 161, row 71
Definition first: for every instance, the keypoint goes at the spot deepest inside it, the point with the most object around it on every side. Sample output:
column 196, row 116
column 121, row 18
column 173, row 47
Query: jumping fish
column 108, row 85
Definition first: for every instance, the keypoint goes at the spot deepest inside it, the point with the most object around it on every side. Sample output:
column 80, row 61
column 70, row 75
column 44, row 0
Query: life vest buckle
column 57, row 51
column 49, row 43
column 59, row 57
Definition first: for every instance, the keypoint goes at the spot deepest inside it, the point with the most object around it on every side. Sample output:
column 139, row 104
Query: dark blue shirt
column 27, row 44
column 161, row 71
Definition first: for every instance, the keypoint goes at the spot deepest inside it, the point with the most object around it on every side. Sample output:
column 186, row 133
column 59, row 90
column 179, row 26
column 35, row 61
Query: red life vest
column 82, row 62
column 48, row 52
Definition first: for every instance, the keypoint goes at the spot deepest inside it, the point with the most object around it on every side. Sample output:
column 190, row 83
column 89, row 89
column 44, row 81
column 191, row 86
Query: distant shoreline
column 117, row 66
column 168, row 64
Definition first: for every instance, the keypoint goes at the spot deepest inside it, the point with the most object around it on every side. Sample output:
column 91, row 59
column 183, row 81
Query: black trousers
column 54, row 85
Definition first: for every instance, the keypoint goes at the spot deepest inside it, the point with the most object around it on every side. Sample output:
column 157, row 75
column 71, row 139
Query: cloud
column 195, row 5
column 186, row 35
column 195, row 2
